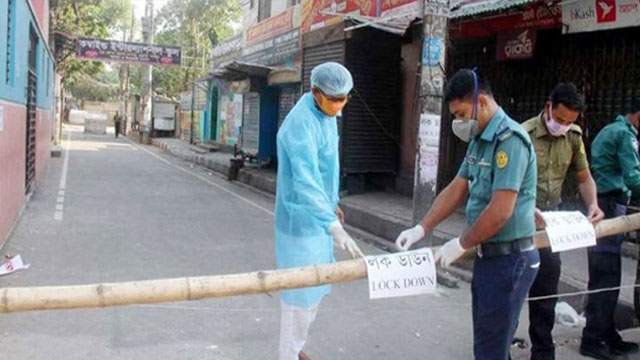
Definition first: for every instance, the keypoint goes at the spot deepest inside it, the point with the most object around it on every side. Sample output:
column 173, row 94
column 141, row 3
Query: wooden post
column 194, row 288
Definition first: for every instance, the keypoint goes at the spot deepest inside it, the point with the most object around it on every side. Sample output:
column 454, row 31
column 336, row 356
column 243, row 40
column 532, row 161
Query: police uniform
column 555, row 156
column 616, row 170
column 501, row 158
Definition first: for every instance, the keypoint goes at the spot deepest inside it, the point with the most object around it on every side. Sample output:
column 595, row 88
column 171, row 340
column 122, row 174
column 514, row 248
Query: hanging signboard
column 109, row 50
column 516, row 45
column 568, row 230
column 594, row 15
column 401, row 274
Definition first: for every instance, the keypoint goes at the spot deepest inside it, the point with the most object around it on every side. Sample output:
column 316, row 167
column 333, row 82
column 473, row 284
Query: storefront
column 226, row 105
column 378, row 127
column 525, row 51
column 273, row 44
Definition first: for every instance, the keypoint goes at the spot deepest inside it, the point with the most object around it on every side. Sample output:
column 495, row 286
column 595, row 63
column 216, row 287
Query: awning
column 468, row 8
column 241, row 70
column 281, row 76
column 396, row 24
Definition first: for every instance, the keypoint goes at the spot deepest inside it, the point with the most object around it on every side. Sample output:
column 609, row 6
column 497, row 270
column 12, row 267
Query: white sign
column 593, row 15
column 568, row 230
column 429, row 138
column 401, row 274
column 429, row 132
column 12, row 265
column 1, row 118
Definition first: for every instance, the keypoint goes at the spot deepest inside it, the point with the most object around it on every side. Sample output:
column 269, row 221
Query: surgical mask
column 331, row 108
column 465, row 129
column 554, row 127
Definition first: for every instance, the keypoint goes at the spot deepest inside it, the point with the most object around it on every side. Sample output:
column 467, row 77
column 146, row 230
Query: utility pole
column 127, row 93
column 147, row 77
column 435, row 23
column 121, row 73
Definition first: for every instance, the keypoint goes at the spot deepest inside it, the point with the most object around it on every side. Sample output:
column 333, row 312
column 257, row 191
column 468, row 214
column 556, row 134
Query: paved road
column 124, row 212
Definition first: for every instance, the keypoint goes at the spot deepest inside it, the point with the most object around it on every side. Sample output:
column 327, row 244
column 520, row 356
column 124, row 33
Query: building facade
column 26, row 103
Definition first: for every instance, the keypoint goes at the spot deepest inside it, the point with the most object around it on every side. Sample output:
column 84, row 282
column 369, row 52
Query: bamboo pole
column 195, row 288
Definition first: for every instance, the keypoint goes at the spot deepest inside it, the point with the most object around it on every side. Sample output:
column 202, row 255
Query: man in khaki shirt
column 559, row 149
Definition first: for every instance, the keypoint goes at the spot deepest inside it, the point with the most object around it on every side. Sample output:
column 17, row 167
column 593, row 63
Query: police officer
column 616, row 168
column 499, row 174
column 559, row 148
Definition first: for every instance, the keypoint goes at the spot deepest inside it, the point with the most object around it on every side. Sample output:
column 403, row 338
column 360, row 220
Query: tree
column 191, row 24
column 90, row 18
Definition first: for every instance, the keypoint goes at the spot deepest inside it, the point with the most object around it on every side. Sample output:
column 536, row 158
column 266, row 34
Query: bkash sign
column 516, row 45
column 594, row 15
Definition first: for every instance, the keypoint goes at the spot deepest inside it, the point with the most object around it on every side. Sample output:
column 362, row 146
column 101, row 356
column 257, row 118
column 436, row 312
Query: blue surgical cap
column 332, row 78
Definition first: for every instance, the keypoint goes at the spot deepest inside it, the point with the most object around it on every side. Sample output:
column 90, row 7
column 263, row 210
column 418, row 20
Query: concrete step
column 198, row 150
column 208, row 147
column 56, row 151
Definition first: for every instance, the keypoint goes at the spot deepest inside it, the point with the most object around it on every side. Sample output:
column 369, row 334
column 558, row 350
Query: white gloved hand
column 342, row 240
column 409, row 237
column 449, row 252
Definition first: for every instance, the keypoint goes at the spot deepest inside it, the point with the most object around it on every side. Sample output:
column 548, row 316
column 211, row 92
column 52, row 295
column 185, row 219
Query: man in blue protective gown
column 308, row 221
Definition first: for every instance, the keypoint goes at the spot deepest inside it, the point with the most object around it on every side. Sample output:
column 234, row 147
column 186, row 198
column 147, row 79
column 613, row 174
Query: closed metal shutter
column 604, row 65
column 372, row 117
column 251, row 123
column 316, row 55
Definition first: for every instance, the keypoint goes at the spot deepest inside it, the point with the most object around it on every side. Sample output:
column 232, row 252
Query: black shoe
column 600, row 352
column 620, row 347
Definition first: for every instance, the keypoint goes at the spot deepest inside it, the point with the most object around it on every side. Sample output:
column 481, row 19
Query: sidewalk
column 379, row 217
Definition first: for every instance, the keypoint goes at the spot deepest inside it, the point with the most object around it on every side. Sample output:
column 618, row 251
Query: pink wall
column 41, row 8
column 44, row 129
column 12, row 159
column 12, row 163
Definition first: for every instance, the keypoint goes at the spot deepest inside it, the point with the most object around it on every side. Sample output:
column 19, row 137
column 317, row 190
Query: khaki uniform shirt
column 556, row 155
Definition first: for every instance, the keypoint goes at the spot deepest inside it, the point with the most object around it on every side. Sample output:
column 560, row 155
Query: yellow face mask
column 332, row 107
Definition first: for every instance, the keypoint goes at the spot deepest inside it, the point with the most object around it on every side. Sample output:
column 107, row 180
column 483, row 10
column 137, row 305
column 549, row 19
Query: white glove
column 449, row 252
column 342, row 240
column 409, row 237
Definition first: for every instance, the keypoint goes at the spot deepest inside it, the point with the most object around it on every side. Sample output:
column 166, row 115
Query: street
column 131, row 212
column 517, row 120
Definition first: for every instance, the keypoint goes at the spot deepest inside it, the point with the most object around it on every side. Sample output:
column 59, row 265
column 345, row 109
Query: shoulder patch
column 575, row 128
column 530, row 125
column 504, row 134
column 502, row 159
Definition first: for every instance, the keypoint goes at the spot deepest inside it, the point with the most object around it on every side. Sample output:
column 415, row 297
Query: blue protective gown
column 307, row 194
